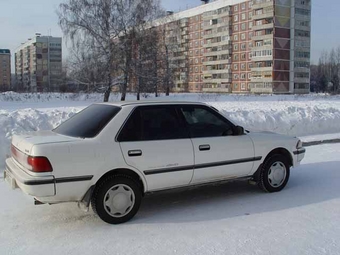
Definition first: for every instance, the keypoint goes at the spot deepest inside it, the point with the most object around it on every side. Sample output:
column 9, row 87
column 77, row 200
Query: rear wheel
column 274, row 174
column 116, row 199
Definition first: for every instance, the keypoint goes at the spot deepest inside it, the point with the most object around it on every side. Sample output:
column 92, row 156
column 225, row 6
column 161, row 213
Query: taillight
column 39, row 164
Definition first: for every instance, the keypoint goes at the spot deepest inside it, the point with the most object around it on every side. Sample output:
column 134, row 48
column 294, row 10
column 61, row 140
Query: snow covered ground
column 233, row 218
column 292, row 115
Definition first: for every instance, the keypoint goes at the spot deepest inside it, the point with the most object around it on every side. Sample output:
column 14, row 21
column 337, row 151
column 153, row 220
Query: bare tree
column 109, row 27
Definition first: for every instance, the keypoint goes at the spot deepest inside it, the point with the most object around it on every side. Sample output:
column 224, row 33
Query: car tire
column 116, row 199
column 274, row 174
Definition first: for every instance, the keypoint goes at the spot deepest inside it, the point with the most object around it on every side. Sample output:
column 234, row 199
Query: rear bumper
column 42, row 186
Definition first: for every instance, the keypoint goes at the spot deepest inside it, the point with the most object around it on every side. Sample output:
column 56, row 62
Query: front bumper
column 300, row 154
column 37, row 186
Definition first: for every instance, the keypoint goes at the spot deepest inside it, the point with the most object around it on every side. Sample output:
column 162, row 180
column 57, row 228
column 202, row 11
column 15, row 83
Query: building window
column 243, row 76
column 243, row 46
column 250, row 24
column 236, row 18
column 243, row 36
column 243, row 26
column 235, row 37
column 243, row 16
column 236, row 46
column 235, row 67
column 243, row 6
column 243, row 86
column 235, row 27
column 236, row 8
column 235, row 86
column 243, row 66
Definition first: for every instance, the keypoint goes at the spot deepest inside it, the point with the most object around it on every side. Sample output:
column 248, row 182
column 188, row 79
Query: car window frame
column 178, row 115
column 212, row 111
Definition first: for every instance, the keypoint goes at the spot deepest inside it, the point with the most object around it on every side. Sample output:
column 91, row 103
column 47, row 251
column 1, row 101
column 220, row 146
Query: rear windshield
column 89, row 122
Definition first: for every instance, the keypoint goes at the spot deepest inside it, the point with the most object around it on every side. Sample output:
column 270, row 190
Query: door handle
column 204, row 147
column 135, row 153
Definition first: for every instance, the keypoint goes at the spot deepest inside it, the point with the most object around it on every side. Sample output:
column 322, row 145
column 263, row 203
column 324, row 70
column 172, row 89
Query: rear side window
column 89, row 122
column 153, row 123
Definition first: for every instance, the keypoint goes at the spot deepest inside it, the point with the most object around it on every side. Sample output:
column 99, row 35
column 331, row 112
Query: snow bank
column 292, row 115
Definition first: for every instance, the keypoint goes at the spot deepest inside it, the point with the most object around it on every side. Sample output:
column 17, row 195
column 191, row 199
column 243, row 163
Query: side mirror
column 239, row 130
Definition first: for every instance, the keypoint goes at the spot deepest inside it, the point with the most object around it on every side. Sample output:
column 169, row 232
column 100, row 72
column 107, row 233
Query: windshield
column 89, row 122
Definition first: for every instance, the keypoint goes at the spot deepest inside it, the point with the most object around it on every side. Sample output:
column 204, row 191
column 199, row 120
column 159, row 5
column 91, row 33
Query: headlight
column 299, row 145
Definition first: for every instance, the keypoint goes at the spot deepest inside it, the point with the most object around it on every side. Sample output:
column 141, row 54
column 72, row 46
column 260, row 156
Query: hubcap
column 119, row 200
column 277, row 174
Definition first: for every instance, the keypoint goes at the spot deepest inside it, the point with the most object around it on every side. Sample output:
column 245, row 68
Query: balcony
column 263, row 26
column 220, row 80
column 217, row 53
column 217, row 71
column 263, row 47
column 217, row 62
column 301, row 91
column 262, row 37
column 221, row 43
column 215, row 90
column 262, row 4
column 216, row 15
column 261, row 80
column 262, row 69
column 261, row 90
column 265, row 15
column 215, row 34
column 223, row 24
column 301, row 80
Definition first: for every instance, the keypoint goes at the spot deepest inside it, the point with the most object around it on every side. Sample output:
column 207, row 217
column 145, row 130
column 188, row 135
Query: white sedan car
column 110, row 155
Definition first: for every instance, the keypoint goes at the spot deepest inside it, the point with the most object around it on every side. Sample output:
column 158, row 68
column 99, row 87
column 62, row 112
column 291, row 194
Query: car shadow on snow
column 308, row 184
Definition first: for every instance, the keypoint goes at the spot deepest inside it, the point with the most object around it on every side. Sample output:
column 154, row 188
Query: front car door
column 219, row 153
column 155, row 141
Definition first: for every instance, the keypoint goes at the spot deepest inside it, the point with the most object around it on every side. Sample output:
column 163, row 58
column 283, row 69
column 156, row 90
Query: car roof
column 146, row 102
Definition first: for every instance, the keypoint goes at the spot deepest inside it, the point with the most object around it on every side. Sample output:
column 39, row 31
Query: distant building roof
column 5, row 51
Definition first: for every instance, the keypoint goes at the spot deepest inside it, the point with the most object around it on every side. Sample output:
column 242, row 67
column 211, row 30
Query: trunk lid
column 25, row 142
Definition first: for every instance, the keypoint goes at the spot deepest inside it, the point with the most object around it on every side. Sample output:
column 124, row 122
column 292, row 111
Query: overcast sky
column 21, row 19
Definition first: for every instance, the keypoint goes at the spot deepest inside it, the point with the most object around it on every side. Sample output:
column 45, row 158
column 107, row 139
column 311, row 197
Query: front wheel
column 116, row 199
column 274, row 174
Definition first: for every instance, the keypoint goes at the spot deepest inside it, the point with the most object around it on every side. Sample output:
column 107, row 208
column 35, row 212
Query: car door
column 219, row 154
column 155, row 141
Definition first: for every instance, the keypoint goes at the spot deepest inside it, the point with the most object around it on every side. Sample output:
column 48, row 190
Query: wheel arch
column 128, row 172
column 276, row 151
column 280, row 151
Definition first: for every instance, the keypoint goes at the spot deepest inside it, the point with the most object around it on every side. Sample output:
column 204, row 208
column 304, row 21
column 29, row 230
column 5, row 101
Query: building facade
column 238, row 46
column 5, row 69
column 38, row 64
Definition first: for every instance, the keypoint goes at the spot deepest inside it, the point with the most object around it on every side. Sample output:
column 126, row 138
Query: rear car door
column 155, row 141
column 219, row 154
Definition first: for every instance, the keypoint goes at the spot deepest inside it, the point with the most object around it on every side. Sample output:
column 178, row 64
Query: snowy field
column 233, row 218
column 292, row 115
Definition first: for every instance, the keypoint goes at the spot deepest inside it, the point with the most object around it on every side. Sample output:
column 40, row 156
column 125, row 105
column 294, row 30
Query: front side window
column 204, row 122
column 153, row 123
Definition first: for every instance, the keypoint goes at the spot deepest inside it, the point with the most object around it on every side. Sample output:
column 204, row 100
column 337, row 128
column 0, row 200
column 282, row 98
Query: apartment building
column 5, row 69
column 238, row 46
column 38, row 64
